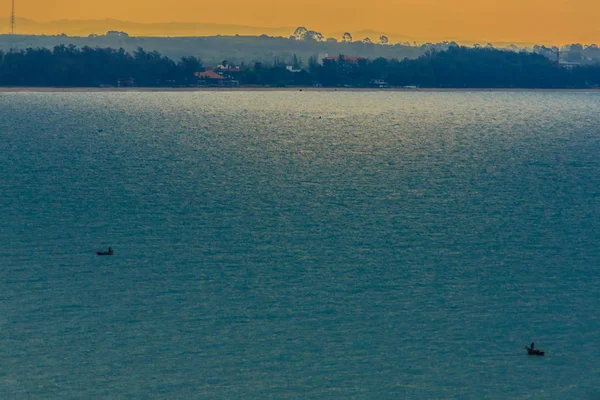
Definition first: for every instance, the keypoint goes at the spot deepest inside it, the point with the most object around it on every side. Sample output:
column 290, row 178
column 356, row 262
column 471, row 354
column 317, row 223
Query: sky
column 549, row 21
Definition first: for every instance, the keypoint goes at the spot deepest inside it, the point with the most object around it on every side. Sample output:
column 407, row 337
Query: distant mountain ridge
column 86, row 27
column 27, row 26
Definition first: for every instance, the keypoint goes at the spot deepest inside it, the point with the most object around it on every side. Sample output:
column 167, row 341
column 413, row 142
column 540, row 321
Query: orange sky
column 482, row 20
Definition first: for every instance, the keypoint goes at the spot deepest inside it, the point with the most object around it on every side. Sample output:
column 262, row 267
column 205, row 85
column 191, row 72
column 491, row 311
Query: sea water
column 305, row 245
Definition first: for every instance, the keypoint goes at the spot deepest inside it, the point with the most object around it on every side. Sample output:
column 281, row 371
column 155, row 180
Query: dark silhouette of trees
column 456, row 67
column 117, row 34
column 212, row 50
column 70, row 66
column 301, row 33
column 296, row 62
column 187, row 67
column 315, row 36
column 481, row 68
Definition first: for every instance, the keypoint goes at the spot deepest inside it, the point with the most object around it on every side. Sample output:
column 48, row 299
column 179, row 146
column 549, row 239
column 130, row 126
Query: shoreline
column 273, row 89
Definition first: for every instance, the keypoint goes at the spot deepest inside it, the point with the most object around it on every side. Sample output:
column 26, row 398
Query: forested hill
column 458, row 67
column 214, row 49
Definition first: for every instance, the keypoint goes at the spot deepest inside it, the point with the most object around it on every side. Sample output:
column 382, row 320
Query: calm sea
column 303, row 245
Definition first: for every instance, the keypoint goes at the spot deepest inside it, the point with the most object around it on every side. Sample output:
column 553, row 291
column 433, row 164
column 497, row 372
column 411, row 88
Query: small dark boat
column 105, row 253
column 534, row 352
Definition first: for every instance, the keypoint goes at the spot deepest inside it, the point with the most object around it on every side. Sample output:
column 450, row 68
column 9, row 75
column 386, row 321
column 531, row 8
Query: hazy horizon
column 84, row 27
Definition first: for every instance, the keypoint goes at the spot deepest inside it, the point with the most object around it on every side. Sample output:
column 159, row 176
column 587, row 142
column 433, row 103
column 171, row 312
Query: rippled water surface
column 305, row 245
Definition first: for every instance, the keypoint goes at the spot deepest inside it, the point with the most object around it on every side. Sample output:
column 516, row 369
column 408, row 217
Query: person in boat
column 110, row 251
column 532, row 344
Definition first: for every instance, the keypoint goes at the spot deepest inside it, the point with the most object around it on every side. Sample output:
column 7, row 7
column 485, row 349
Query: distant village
column 104, row 61
column 226, row 75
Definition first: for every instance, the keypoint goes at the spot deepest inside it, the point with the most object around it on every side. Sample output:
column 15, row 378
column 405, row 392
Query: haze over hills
column 213, row 49
column 100, row 26
column 251, row 48
column 27, row 26
column 72, row 27
column 216, row 42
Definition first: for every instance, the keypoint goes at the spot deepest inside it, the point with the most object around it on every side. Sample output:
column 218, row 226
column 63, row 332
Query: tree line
column 71, row 66
column 301, row 33
column 456, row 67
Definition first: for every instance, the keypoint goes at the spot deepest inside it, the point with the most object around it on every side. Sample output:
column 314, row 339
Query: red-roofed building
column 211, row 77
column 209, row 74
